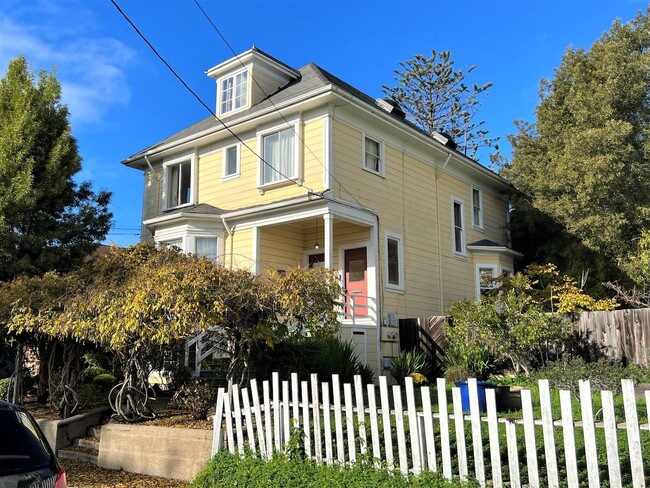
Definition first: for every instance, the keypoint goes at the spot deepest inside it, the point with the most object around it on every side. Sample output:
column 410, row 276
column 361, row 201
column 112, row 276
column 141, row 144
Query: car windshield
column 22, row 446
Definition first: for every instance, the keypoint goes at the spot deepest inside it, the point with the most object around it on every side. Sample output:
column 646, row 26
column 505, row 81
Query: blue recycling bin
column 481, row 386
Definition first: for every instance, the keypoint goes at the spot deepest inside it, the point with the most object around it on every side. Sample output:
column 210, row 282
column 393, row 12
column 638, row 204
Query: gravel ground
column 86, row 475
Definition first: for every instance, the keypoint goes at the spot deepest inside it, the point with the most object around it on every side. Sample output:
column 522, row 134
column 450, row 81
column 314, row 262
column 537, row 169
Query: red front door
column 356, row 282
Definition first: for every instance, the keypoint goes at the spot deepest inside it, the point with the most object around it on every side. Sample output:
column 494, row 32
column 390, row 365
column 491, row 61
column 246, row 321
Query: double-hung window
column 394, row 262
column 372, row 160
column 486, row 275
column 178, row 189
column 459, row 228
column 477, row 208
column 279, row 156
column 233, row 92
column 231, row 162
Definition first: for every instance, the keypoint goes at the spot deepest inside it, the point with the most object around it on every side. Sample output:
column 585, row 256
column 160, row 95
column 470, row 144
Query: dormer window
column 233, row 93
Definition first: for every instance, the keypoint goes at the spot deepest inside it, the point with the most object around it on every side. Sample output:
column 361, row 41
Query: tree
column 584, row 164
column 47, row 221
column 139, row 299
column 435, row 97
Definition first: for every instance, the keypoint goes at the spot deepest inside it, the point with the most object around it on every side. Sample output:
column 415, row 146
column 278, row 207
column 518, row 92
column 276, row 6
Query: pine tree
column 47, row 221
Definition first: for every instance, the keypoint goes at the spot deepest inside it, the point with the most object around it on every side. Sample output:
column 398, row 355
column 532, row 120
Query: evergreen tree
column 47, row 221
column 437, row 99
column 583, row 168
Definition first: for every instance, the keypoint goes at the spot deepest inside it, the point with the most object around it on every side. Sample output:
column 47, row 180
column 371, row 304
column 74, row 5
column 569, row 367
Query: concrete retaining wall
column 61, row 433
column 157, row 451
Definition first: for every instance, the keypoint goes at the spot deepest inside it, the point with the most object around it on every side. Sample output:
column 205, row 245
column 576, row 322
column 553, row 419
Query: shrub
column 197, row 397
column 408, row 362
column 603, row 374
column 4, row 387
column 104, row 381
column 88, row 395
column 324, row 357
column 89, row 374
column 227, row 470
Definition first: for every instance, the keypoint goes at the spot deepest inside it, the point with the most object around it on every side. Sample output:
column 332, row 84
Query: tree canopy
column 583, row 167
column 141, row 297
column 437, row 98
column 47, row 220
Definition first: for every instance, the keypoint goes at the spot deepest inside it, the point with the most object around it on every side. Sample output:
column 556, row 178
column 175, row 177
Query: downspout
column 440, row 281
column 229, row 230
column 380, row 300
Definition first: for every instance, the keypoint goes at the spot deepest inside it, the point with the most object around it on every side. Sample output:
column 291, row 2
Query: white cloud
column 90, row 67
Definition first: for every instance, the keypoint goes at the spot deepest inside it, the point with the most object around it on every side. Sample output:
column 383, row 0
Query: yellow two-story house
column 298, row 168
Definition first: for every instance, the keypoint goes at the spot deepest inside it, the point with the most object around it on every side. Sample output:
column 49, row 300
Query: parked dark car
column 26, row 459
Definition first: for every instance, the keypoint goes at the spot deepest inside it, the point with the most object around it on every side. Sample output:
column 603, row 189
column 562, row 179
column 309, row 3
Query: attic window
column 233, row 94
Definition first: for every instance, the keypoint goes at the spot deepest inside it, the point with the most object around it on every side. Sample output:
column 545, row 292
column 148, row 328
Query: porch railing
column 354, row 311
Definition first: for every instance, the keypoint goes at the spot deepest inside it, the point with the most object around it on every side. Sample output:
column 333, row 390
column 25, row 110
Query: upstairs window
column 279, row 154
column 179, row 183
column 234, row 92
column 372, row 156
column 477, row 208
column 459, row 230
column 231, row 162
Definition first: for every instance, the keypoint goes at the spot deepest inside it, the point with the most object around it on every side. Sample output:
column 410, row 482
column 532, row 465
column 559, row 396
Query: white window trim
column 248, row 91
column 298, row 170
column 400, row 256
column 463, row 241
column 193, row 183
column 224, row 160
column 477, row 276
column 382, row 159
column 479, row 224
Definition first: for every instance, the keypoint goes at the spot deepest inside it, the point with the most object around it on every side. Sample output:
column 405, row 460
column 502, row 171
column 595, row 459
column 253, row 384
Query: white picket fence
column 354, row 424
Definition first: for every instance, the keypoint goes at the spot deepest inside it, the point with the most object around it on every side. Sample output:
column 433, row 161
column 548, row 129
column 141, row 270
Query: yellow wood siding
column 281, row 247
column 410, row 203
column 242, row 191
column 239, row 250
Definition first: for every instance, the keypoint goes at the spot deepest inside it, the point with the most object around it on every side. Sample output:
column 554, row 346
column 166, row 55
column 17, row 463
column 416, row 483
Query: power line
column 274, row 106
column 179, row 78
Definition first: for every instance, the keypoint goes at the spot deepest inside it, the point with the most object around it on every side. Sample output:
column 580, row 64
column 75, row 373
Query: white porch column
column 328, row 219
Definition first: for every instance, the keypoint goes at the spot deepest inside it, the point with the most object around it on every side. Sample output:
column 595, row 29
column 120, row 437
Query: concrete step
column 94, row 431
column 88, row 442
column 87, row 456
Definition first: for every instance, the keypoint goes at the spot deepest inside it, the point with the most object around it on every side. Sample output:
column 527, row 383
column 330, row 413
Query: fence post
column 286, row 414
column 277, row 427
column 257, row 411
column 633, row 437
column 569, row 439
column 249, row 420
column 513, row 454
column 529, row 435
column 385, row 413
column 413, row 426
column 305, row 417
column 374, row 425
column 236, row 408
column 493, row 435
column 477, row 440
column 361, row 414
column 401, row 437
column 315, row 402
column 349, row 422
column 589, row 431
column 428, row 429
column 338, row 421
column 327, row 424
column 611, row 440
column 217, row 423
column 461, row 443
column 549, row 434
column 445, row 445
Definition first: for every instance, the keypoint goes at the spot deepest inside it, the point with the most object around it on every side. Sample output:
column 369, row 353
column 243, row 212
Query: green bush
column 407, row 363
column 323, row 357
column 104, row 381
column 226, row 470
column 4, row 387
column 603, row 374
column 89, row 374
column 197, row 397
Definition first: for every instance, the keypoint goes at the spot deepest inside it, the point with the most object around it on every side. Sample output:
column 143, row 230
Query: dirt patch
column 86, row 475
column 168, row 416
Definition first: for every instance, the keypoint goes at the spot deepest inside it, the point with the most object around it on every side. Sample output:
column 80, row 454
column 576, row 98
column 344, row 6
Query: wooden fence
column 344, row 424
column 619, row 334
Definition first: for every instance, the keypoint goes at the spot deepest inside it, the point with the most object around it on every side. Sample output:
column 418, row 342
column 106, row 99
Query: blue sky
column 122, row 98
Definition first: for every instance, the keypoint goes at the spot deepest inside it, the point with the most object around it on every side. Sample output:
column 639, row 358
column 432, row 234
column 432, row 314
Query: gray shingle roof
column 201, row 208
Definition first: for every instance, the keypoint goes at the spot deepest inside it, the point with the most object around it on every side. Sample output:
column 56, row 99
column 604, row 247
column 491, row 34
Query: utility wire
column 268, row 97
column 179, row 78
